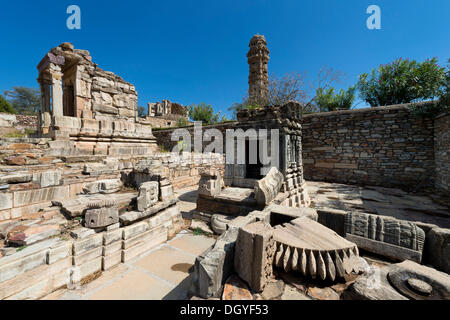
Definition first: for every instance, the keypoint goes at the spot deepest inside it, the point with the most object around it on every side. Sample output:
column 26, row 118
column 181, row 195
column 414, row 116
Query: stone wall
column 163, row 137
column 384, row 146
column 10, row 123
column 442, row 152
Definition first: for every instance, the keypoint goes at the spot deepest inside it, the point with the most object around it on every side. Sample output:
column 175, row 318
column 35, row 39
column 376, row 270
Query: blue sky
column 195, row 51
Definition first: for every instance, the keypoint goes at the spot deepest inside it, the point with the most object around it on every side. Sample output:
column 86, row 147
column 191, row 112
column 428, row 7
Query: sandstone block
column 135, row 229
column 87, row 256
column 267, row 189
column 58, row 252
column 103, row 186
column 113, row 236
column 82, row 246
column 111, row 260
column 103, row 217
column 156, row 239
column 254, row 253
column 112, row 248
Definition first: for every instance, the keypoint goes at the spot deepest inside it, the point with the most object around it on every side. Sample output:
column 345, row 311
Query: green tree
column 204, row 113
column 5, row 106
column 182, row 122
column 442, row 104
column 402, row 81
column 24, row 100
column 327, row 100
column 141, row 112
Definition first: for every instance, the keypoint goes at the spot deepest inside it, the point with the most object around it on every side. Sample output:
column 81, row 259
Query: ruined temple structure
column 166, row 114
column 89, row 111
column 254, row 185
column 258, row 59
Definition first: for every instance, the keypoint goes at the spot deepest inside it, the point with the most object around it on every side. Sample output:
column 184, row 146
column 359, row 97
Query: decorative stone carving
column 210, row 183
column 254, row 253
column 267, row 189
column 148, row 195
column 396, row 239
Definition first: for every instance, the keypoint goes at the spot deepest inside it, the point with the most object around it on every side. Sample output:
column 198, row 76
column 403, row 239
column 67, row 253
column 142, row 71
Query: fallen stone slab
column 132, row 216
column 103, row 186
column 267, row 189
column 34, row 234
column 306, row 246
column 16, row 178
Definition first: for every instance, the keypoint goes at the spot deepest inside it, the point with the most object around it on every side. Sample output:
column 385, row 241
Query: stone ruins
column 350, row 199
column 166, row 114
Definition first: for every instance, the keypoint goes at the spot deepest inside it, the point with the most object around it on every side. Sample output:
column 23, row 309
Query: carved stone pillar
column 57, row 92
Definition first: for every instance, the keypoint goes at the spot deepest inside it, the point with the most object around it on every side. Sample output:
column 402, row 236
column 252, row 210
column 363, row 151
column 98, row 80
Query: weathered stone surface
column 111, row 260
column 5, row 200
column 132, row 216
column 34, row 234
column 22, row 198
column 48, row 178
column 419, row 282
column 16, row 178
column 316, row 251
column 219, row 223
column 87, row 256
column 236, row 289
column 134, row 230
column 152, row 241
column 82, row 246
column 273, row 290
column 100, row 218
column 148, row 195
column 438, row 248
column 103, row 186
column 214, row 266
column 81, row 233
column 113, row 236
column 258, row 58
column 210, row 184
column 267, row 189
column 293, row 213
column 323, row 293
column 254, row 254
column 385, row 235
column 291, row 293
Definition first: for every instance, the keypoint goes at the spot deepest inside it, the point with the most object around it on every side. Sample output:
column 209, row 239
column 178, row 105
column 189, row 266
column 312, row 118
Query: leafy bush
column 6, row 107
column 402, row 81
column 204, row 113
column 436, row 107
column 183, row 122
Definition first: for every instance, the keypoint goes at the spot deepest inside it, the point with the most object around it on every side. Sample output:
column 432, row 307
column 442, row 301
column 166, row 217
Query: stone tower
column 258, row 59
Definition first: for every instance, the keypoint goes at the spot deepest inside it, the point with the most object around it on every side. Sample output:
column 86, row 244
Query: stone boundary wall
column 16, row 123
column 383, row 146
column 442, row 152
